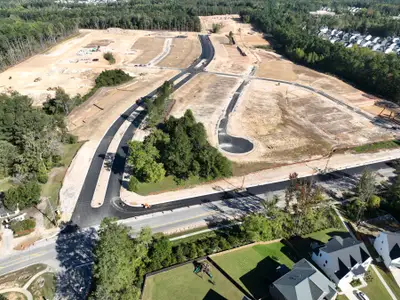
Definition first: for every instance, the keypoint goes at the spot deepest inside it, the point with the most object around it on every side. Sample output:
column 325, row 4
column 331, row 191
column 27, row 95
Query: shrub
column 23, row 227
column 368, row 276
column 109, row 57
column 42, row 177
column 133, row 184
column 70, row 138
column 355, row 282
column 112, row 77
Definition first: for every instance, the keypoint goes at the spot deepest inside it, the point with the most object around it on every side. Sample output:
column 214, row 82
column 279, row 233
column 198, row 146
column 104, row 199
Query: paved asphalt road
column 84, row 215
column 227, row 142
column 71, row 252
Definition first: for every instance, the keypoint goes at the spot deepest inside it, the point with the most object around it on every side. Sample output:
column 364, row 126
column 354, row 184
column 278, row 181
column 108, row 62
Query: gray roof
column 344, row 253
column 305, row 282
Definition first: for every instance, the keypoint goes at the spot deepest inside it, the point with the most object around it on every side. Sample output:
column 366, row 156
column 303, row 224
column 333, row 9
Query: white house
column 342, row 260
column 387, row 244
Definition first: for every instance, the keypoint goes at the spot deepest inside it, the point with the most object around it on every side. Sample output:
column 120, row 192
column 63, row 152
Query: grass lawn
column 341, row 297
column 182, row 283
column 390, row 281
column 43, row 287
column 377, row 146
column 167, row 184
column 5, row 184
column 254, row 267
column 20, row 277
column 241, row 169
column 375, row 288
column 303, row 244
column 52, row 187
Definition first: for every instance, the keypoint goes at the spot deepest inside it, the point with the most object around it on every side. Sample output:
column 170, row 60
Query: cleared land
column 75, row 63
column 276, row 67
column 228, row 58
column 182, row 283
column 183, row 52
column 254, row 267
column 287, row 124
column 93, row 117
column 147, row 48
column 207, row 96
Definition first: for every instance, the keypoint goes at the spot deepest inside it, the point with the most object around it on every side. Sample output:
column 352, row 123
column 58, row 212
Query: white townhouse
column 387, row 244
column 342, row 260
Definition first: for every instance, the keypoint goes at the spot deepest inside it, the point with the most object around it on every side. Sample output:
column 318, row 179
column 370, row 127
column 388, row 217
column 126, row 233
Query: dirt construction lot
column 75, row 63
column 274, row 66
column 207, row 95
column 184, row 51
column 288, row 123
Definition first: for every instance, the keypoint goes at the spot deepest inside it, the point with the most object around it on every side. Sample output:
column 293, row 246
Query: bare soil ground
column 277, row 67
column 147, row 48
column 91, row 119
column 228, row 58
column 288, row 124
column 73, row 64
column 207, row 95
column 183, row 52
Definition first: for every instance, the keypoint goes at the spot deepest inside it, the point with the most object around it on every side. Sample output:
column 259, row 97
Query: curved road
column 84, row 215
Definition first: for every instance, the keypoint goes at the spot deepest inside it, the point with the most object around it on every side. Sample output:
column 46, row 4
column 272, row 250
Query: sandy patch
column 147, row 48
column 227, row 58
column 183, row 52
column 207, row 96
column 73, row 64
column 92, row 118
column 289, row 124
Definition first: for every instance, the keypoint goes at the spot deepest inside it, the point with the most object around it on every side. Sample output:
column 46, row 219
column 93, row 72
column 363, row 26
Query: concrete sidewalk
column 336, row 162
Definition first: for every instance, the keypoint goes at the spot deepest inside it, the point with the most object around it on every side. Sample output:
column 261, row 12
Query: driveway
column 396, row 274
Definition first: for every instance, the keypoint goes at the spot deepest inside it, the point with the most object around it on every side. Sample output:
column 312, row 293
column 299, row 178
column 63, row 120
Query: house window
column 326, row 261
column 324, row 265
column 382, row 242
column 320, row 254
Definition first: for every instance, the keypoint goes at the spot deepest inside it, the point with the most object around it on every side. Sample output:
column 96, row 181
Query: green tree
column 22, row 196
column 118, row 262
column 160, row 253
column 109, row 57
column 8, row 154
column 365, row 189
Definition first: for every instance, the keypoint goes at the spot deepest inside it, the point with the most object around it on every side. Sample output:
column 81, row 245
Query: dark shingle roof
column 345, row 254
column 305, row 282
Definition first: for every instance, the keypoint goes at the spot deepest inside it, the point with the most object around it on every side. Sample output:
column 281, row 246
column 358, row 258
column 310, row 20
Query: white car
column 361, row 295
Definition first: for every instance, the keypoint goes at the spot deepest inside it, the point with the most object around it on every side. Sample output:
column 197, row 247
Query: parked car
column 360, row 295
